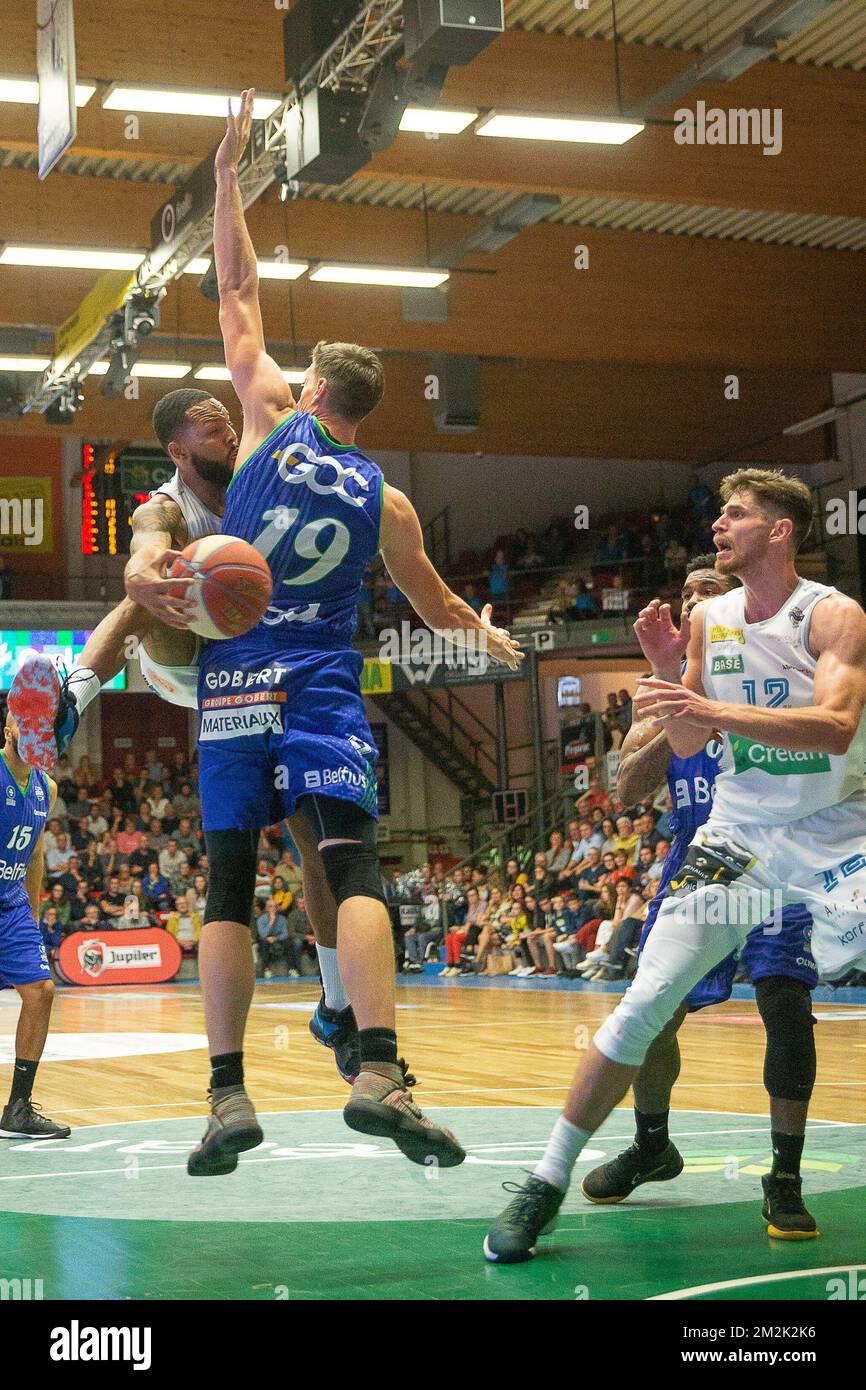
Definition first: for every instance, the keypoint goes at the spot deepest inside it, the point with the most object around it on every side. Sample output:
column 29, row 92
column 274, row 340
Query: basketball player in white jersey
column 196, row 432
column 776, row 668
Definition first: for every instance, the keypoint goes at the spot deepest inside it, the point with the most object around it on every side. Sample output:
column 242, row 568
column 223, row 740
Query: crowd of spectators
column 127, row 851
column 575, row 909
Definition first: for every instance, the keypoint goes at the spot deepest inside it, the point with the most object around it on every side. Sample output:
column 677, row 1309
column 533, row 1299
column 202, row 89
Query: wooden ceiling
column 625, row 358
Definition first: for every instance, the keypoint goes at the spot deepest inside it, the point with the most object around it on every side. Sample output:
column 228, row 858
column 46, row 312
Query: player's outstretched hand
column 661, row 641
column 237, row 134
column 500, row 644
column 159, row 595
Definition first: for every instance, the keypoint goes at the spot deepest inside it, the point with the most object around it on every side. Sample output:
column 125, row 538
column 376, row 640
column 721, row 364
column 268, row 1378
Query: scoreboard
column 114, row 481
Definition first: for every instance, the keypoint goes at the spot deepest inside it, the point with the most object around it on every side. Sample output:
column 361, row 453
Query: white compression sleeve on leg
column 335, row 994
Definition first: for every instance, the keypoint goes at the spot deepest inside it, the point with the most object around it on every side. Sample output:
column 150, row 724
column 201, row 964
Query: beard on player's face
column 218, row 470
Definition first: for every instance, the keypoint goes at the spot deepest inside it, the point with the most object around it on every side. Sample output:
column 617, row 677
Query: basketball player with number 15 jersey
column 26, row 799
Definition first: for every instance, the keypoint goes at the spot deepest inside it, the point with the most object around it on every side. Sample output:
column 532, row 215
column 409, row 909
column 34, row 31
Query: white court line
column 748, row 1282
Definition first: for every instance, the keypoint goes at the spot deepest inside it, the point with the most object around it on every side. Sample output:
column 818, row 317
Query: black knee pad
column 789, row 1062
column 351, row 869
column 232, row 875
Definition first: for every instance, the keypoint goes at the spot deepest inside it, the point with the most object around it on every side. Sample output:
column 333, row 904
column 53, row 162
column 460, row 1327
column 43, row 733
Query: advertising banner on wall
column 140, row 956
column 27, row 514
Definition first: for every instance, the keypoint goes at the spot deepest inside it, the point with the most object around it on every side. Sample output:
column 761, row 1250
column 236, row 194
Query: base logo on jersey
column 750, row 756
column 266, row 719
column 91, row 957
column 726, row 666
column 726, row 634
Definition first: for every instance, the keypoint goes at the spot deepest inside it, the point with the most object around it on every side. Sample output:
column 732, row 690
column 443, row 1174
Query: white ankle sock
column 561, row 1154
column 83, row 686
column 335, row 994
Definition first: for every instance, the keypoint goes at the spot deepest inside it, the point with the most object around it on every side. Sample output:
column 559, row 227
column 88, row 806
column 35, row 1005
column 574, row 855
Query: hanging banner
column 55, row 64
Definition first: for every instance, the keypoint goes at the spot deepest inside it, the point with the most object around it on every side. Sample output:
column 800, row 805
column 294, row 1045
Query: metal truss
column 352, row 60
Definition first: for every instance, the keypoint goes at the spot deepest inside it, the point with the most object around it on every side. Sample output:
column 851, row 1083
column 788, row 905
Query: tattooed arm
column 158, row 533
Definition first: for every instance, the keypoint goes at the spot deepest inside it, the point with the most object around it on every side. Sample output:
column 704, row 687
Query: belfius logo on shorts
column 240, row 716
column 750, row 756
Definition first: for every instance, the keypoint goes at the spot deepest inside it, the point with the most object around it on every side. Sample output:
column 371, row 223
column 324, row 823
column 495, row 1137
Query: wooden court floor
column 319, row 1212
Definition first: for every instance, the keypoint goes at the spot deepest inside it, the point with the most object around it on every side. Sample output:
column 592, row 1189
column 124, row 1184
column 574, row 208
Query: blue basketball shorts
column 272, row 730
column 23, row 960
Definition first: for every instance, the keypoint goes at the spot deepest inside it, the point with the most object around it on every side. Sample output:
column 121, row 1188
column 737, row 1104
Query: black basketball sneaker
column 783, row 1209
column 533, row 1212
column 22, row 1120
column 615, row 1181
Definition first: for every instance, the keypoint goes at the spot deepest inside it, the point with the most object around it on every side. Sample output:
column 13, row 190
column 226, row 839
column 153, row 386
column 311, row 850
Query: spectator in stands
column 80, row 836
column 186, row 802
column 78, row 905
column 657, row 867
column 584, row 603
column 586, row 882
column 290, row 871
column 128, row 839
column 624, row 867
column 649, row 569
column 113, row 901
column 559, row 853
column 542, row 881
column 532, row 558
column 471, row 597
column 627, row 923
column 96, row 821
column 197, row 899
column 498, row 578
column 626, row 837
column 647, row 833
column 57, row 859
column 643, row 866
column 282, row 896
column 475, row 914
column 613, row 734
column 614, row 548
column 540, row 941
column 301, row 935
column 142, row 856
column 109, row 859
column 701, row 499
column 52, row 933
column 418, row 941
column 156, row 889
column 94, row 921
column 170, row 860
column 624, row 714
column 562, row 603
column 595, row 795
column 185, row 925
column 608, row 830
column 675, row 559
column 264, row 876
column 157, row 837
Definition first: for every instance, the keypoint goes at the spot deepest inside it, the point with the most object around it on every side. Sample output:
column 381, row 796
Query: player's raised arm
column 157, row 527
column 436, row 605
column 258, row 381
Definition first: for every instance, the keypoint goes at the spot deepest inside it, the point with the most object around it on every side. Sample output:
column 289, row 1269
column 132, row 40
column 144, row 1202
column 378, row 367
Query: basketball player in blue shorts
column 283, row 727
column 197, row 435
column 26, row 799
column 780, row 966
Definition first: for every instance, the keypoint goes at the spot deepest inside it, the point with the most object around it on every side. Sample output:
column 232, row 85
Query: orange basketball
column 232, row 588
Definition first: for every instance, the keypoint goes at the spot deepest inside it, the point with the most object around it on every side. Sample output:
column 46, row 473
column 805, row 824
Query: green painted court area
column 319, row 1213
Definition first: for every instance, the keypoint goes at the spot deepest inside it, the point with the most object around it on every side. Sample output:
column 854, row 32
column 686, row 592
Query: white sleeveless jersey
column 200, row 521
column 769, row 664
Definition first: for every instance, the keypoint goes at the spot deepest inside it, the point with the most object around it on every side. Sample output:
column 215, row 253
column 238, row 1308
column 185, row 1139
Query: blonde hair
column 783, row 496
column 355, row 377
